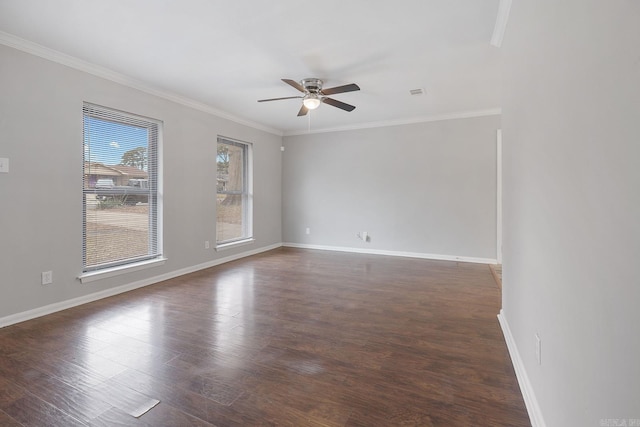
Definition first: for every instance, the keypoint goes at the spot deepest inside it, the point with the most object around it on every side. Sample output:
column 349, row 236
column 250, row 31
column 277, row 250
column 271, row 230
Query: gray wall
column 41, row 201
column 427, row 188
column 571, row 121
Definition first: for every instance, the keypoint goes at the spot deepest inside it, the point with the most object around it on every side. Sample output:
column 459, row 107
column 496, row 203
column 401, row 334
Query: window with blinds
column 120, row 188
column 233, row 207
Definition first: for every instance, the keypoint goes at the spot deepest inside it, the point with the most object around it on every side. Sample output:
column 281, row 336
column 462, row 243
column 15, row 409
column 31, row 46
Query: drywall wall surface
column 427, row 188
column 571, row 135
column 41, row 198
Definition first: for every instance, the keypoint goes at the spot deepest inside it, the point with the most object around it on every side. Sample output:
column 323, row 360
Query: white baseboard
column 394, row 253
column 535, row 414
column 63, row 305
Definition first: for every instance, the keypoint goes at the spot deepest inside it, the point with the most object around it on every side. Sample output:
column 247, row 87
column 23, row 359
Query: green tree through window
column 136, row 158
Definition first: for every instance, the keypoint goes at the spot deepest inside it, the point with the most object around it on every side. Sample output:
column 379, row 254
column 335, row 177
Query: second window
column 233, row 198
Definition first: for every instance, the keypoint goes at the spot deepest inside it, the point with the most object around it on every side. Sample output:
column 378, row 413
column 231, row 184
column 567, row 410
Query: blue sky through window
column 105, row 141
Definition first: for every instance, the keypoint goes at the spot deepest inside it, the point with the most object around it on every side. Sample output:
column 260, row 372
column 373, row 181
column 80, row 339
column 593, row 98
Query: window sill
column 224, row 246
column 92, row 276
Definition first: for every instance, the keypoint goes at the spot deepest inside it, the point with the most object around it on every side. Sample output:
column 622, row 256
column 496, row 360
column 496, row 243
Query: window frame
column 154, row 170
column 246, row 194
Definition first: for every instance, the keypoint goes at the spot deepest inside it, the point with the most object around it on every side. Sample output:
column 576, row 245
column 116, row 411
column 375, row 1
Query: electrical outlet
column 307, row 230
column 47, row 277
column 206, row 244
column 4, row 165
column 538, row 350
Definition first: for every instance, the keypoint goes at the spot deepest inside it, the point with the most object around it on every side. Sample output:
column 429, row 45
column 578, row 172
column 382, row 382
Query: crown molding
column 501, row 23
column 400, row 122
column 32, row 48
column 70, row 61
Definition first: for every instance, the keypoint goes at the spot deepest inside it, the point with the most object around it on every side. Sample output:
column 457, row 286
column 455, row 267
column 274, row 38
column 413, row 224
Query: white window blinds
column 120, row 188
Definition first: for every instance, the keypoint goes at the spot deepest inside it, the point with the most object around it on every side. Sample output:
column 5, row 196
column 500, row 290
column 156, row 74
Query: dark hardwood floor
column 289, row 337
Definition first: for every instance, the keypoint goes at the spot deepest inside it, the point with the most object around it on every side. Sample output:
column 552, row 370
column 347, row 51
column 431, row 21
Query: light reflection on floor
column 235, row 299
column 106, row 339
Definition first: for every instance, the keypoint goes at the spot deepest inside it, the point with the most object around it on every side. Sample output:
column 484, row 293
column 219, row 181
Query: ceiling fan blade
column 303, row 111
column 340, row 89
column 335, row 103
column 278, row 99
column 294, row 84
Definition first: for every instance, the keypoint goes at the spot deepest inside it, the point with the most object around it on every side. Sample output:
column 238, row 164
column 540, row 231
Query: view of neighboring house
column 120, row 174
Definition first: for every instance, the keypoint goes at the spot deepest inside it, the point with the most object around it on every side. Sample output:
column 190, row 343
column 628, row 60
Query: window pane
column 233, row 210
column 229, row 224
column 115, row 230
column 120, row 187
column 234, row 167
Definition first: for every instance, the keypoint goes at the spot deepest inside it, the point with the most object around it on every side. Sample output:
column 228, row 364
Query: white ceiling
column 228, row 54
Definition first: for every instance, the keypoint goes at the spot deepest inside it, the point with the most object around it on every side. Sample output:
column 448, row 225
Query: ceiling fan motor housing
column 311, row 85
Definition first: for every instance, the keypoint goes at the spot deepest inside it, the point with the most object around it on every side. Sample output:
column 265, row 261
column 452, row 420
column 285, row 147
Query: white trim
column 393, row 253
column 92, row 276
column 235, row 244
column 400, row 122
column 63, row 305
column 535, row 414
column 501, row 23
column 105, row 73
column 499, row 196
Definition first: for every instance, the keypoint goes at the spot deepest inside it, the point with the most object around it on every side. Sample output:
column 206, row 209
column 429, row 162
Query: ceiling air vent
column 418, row 91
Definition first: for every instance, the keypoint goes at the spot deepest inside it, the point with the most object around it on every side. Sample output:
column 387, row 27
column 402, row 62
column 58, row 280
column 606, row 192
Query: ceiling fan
column 314, row 95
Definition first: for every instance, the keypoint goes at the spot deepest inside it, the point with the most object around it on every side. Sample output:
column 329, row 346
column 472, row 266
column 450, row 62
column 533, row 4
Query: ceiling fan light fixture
column 311, row 101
